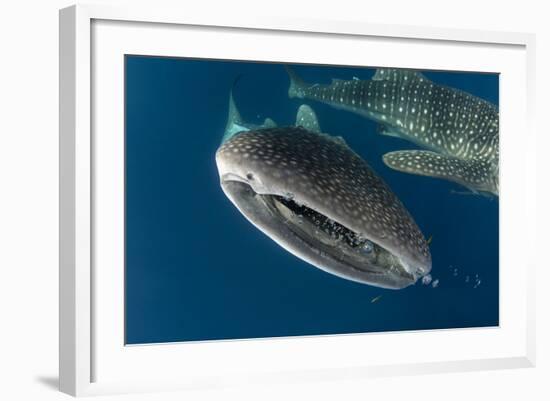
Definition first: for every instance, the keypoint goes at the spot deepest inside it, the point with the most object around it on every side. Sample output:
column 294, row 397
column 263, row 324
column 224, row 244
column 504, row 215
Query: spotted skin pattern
column 459, row 127
column 327, row 176
column 307, row 119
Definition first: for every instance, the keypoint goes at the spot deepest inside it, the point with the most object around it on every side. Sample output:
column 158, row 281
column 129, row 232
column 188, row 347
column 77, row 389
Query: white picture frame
column 92, row 355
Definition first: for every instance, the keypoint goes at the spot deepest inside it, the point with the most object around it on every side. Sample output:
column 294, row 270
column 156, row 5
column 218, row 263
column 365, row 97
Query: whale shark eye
column 249, row 176
column 367, row 247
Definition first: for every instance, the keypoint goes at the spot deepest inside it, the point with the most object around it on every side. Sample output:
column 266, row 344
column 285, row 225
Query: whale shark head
column 314, row 196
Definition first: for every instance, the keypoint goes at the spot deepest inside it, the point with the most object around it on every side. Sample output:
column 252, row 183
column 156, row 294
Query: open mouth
column 335, row 230
column 317, row 238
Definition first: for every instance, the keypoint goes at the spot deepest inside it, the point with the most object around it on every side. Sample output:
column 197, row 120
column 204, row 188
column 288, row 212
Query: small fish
column 429, row 241
column 375, row 299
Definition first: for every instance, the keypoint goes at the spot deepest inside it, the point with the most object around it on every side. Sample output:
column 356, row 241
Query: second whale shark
column 460, row 131
column 319, row 200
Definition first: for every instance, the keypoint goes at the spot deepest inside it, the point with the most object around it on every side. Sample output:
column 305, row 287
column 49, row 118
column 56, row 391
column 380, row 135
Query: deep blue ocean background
column 196, row 269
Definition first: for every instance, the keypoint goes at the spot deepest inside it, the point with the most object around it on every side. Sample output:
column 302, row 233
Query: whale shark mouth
column 332, row 228
column 318, row 239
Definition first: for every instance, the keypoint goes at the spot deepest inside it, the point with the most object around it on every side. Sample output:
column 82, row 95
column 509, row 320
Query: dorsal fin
column 269, row 123
column 340, row 140
column 307, row 118
column 391, row 74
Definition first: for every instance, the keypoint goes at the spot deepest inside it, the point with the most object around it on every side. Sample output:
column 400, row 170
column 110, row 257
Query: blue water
column 196, row 269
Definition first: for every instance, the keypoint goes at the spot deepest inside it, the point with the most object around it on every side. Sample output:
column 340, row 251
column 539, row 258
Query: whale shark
column 459, row 131
column 315, row 197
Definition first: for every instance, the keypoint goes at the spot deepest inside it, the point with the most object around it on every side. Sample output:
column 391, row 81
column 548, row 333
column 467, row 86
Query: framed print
column 345, row 200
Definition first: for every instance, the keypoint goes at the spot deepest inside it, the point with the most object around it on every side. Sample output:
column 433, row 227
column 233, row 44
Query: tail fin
column 233, row 116
column 297, row 85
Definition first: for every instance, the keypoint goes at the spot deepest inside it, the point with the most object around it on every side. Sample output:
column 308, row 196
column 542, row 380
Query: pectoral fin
column 473, row 174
